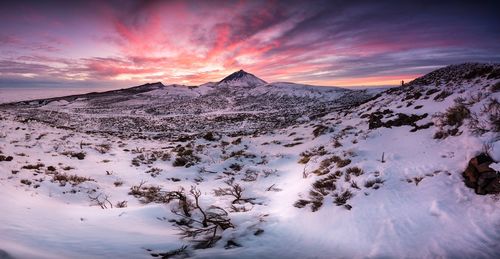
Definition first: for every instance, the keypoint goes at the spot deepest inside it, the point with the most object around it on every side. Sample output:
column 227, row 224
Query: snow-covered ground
column 376, row 180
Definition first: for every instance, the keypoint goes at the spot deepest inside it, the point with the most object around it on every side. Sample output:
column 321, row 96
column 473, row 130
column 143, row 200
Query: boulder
column 481, row 177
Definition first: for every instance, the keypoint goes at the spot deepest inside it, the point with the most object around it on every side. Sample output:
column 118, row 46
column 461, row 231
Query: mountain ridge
column 241, row 78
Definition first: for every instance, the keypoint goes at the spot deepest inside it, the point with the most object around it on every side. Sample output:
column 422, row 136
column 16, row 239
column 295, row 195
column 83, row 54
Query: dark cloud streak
column 196, row 41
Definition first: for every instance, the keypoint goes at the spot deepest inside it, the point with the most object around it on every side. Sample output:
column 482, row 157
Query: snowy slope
column 169, row 111
column 407, row 200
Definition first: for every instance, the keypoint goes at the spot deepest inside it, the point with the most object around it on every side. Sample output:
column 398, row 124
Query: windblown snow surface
column 395, row 159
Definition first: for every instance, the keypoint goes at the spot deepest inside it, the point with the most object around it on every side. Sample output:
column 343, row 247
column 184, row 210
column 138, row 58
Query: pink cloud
column 198, row 41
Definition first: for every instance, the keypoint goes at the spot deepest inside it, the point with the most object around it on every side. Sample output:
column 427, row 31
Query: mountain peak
column 241, row 78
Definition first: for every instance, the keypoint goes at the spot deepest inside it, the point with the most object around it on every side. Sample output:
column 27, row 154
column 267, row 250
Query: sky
column 333, row 43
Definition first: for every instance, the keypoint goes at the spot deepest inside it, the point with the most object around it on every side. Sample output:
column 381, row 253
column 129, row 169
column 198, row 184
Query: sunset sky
column 126, row 43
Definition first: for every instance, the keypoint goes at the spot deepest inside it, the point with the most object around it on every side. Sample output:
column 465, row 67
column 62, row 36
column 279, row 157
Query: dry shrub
column 103, row 148
column 154, row 172
column 235, row 190
column 149, row 157
column 121, row 204
column 78, row 155
column 210, row 136
column 374, row 183
column 455, row 115
column 449, row 122
column 319, row 130
column 307, row 155
column 301, row 203
column 213, row 218
column 487, row 120
column 356, row 171
column 71, row 179
column 325, row 185
column 250, row 175
column 6, row 158
column 442, row 95
column 148, row 194
column 33, row 167
column 26, row 181
column 235, row 166
column 186, row 158
column 342, row 198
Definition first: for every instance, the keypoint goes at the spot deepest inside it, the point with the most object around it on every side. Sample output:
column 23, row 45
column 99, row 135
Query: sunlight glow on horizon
column 128, row 42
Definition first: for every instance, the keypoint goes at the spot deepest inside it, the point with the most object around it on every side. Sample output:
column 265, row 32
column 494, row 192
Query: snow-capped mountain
column 275, row 170
column 241, row 78
column 241, row 103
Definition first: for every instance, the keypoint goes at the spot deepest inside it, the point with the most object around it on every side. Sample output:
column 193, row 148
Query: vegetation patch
column 149, row 157
column 74, row 180
column 307, row 155
column 450, row 121
column 185, row 157
column 6, row 158
column 33, row 167
column 319, row 130
column 375, row 120
column 78, row 155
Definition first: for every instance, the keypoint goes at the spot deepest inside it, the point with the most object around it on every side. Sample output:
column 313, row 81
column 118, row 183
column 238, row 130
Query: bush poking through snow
column 320, row 189
column 374, row 183
column 342, row 198
column 181, row 252
column 354, row 185
column 487, row 120
column 455, row 115
column 235, row 190
column 442, row 95
column 78, row 155
column 71, row 179
column 450, row 121
column 26, row 181
column 324, row 167
column 33, row 167
column 101, row 200
column 149, row 157
column 301, row 203
column 341, row 162
column 121, row 204
column 185, row 157
column 307, row 155
column 375, row 120
column 235, row 167
column 210, row 136
column 292, row 144
column 325, row 185
column 250, row 175
column 356, row 171
column 6, row 158
column 203, row 231
column 316, row 200
column 319, row 130
column 148, row 194
column 154, row 172
column 103, row 148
